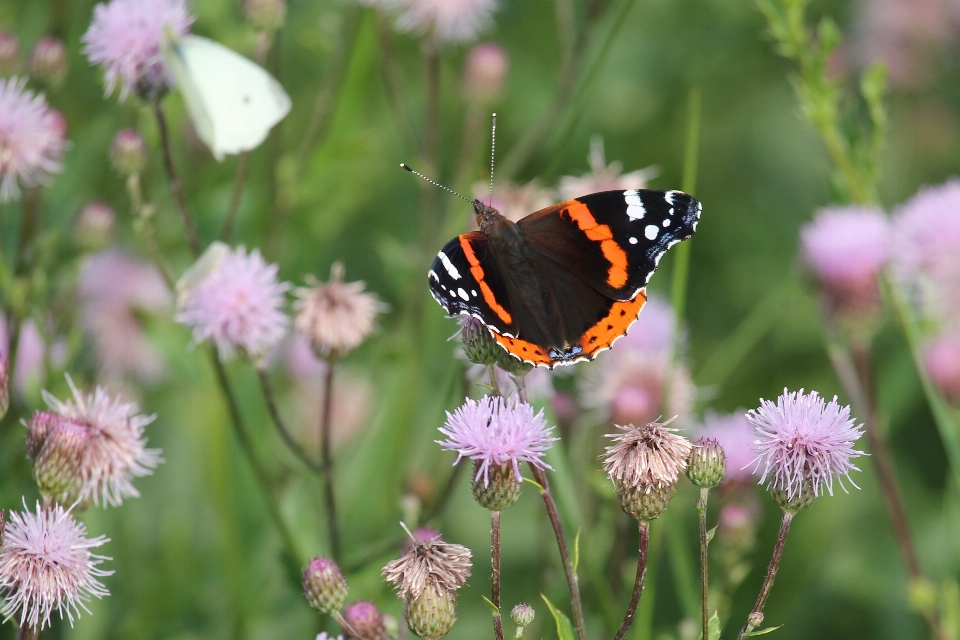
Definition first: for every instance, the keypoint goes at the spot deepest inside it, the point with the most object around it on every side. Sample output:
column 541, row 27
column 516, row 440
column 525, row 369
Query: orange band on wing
column 615, row 324
column 617, row 257
column 526, row 351
column 477, row 271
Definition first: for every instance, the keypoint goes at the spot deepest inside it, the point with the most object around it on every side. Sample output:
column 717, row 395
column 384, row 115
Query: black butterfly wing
column 612, row 240
column 466, row 279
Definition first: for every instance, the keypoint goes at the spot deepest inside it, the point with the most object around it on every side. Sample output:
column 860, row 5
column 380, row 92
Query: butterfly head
column 486, row 215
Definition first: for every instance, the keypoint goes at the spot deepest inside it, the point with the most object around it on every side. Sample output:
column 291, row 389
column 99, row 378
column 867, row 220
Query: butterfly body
column 562, row 284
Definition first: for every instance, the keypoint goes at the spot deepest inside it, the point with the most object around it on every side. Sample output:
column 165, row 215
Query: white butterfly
column 232, row 101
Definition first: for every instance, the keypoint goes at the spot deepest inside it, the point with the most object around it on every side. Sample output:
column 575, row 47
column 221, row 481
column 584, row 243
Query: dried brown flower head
column 645, row 457
column 336, row 316
column 431, row 562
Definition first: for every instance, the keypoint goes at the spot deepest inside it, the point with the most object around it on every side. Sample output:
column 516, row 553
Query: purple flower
column 941, row 359
column 847, row 244
column 497, row 432
column 485, row 72
column 449, row 20
column 46, row 566
column 116, row 449
column 125, row 37
column 31, row 139
column 234, row 298
column 803, row 439
column 735, row 434
column 603, row 177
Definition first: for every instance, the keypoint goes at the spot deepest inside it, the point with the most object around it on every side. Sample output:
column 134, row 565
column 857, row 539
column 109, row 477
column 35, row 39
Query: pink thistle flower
column 847, row 244
column 941, row 359
column 46, row 566
column 114, row 288
column 115, row 450
column 237, row 302
column 448, row 20
column 31, row 139
column 485, row 72
column 514, row 201
column 647, row 457
column 603, row 177
column 803, row 439
column 735, row 434
column 496, row 432
column 125, row 37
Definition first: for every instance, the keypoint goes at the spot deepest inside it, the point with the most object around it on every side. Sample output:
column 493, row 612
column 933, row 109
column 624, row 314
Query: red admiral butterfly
column 564, row 283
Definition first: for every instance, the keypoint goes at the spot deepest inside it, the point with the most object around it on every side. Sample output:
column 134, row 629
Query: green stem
column 175, row 187
column 330, row 503
column 295, row 447
column 231, row 218
column 643, row 548
column 495, row 572
column 755, row 619
column 702, row 512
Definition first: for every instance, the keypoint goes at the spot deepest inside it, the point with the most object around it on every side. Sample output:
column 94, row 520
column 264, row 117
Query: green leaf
column 710, row 534
column 762, row 632
column 713, row 627
column 576, row 551
column 493, row 607
column 564, row 628
column 534, row 483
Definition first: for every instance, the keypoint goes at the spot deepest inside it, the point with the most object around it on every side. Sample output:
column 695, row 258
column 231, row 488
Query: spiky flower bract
column 802, row 439
column 647, row 457
column 237, row 303
column 432, row 562
column 116, row 449
column 494, row 431
column 125, row 37
column 46, row 565
column 31, row 139
column 735, row 434
column 324, row 586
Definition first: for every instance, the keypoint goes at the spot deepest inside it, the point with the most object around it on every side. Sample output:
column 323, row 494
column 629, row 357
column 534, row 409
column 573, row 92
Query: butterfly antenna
column 436, row 184
column 493, row 149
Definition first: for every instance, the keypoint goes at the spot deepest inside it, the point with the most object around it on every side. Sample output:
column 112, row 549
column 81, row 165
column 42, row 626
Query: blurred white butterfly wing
column 232, row 101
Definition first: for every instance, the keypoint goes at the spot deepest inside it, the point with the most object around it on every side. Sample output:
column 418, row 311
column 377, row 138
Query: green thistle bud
column 48, row 61
column 265, row 15
column 56, row 468
column 431, row 614
column 512, row 365
column 799, row 501
column 645, row 503
column 128, row 153
column 522, row 615
column 93, row 226
column 324, row 585
column 707, row 463
column 478, row 344
column 365, row 619
column 500, row 490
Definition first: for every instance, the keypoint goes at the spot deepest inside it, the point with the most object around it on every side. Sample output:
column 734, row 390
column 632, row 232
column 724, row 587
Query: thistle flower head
column 485, row 72
column 846, row 244
column 31, row 139
column 447, row 20
column 651, row 456
column 802, row 439
column 48, row 60
column 941, row 359
column 46, row 565
column 365, row 620
column 125, row 37
column 494, row 431
column 236, row 301
column 433, row 563
column 336, row 316
column 603, row 177
column 116, row 449
column 324, row 585
column 515, row 201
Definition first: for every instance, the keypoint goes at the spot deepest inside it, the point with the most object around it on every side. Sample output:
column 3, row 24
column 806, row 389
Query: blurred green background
column 197, row 556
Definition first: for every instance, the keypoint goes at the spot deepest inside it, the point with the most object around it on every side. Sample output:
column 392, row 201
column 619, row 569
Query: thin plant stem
column 259, row 472
column 295, row 447
column 443, row 498
column 29, row 633
column 346, row 625
column 642, row 549
column 572, row 583
column 230, row 219
column 494, row 385
column 326, row 410
column 175, row 187
column 142, row 215
column 755, row 618
column 702, row 511
column 495, row 571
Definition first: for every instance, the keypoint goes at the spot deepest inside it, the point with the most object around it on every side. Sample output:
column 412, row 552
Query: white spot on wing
column 651, row 231
column 433, row 274
column 635, row 212
column 668, row 196
column 666, row 222
column 451, row 270
column 473, row 292
column 463, row 294
column 633, row 241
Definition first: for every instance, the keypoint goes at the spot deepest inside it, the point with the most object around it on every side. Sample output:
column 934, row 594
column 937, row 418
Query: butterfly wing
column 232, row 101
column 612, row 240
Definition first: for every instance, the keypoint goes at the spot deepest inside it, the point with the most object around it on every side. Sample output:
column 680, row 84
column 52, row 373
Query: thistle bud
column 9, row 53
column 512, row 365
column 478, row 344
column 365, row 619
column 48, row 61
column 485, row 73
column 499, row 489
column 799, row 501
column 39, row 426
column 56, row 468
column 431, row 614
column 128, row 153
column 522, row 615
column 265, row 15
column 93, row 226
column 4, row 387
column 707, row 463
column 645, row 503
column 324, row 585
